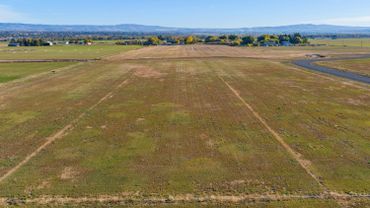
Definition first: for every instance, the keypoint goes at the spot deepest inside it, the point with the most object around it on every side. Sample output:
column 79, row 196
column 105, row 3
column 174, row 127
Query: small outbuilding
column 268, row 44
column 48, row 43
column 14, row 45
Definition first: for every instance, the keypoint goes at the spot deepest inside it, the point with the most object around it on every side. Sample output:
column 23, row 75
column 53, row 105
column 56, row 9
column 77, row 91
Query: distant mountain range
column 133, row 28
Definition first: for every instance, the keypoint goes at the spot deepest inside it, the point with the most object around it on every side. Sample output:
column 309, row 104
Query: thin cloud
column 348, row 21
column 7, row 14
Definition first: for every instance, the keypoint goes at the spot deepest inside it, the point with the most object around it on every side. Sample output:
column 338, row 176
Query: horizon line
column 183, row 27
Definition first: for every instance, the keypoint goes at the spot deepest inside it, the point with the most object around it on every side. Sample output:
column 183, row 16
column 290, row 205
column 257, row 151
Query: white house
column 49, row 43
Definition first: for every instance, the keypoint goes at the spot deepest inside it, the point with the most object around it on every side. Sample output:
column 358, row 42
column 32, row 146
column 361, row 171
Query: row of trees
column 252, row 40
column 43, row 42
column 29, row 42
column 233, row 40
column 177, row 40
column 80, row 41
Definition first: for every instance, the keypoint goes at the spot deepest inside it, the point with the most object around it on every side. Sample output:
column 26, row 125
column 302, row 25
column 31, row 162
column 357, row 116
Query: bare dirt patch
column 69, row 173
column 43, row 185
column 356, row 102
column 145, row 72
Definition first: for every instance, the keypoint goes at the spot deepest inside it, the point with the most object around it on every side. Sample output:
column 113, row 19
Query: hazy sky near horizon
column 189, row 13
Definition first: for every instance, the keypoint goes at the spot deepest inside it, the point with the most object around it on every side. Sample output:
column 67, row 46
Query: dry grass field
column 361, row 66
column 204, row 51
column 343, row 42
column 187, row 126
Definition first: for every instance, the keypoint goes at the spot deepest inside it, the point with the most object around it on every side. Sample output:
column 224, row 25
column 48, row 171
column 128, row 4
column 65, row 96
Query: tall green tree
column 154, row 40
column 233, row 37
column 211, row 39
column 247, row 40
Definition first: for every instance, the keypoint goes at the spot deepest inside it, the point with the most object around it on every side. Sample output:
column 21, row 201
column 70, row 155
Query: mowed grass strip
column 175, row 129
column 360, row 66
column 14, row 71
column 324, row 120
column 63, row 52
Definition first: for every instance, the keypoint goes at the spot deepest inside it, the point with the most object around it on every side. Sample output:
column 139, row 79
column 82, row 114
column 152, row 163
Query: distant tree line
column 44, row 42
column 30, row 42
column 232, row 40
column 61, row 36
column 80, row 41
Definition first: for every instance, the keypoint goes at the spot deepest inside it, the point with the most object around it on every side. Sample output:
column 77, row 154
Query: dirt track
column 45, row 60
column 134, row 198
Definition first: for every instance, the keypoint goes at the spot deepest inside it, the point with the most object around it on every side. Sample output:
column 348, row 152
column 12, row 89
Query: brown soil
column 146, row 72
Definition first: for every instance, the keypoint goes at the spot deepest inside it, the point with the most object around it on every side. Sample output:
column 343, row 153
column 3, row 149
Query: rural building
column 48, row 43
column 268, row 44
column 82, row 42
column 14, row 45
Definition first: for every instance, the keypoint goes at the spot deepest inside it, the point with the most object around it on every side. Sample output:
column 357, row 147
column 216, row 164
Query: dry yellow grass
column 205, row 126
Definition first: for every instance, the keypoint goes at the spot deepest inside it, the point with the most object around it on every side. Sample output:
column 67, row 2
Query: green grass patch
column 4, row 79
column 346, row 42
column 63, row 52
column 14, row 71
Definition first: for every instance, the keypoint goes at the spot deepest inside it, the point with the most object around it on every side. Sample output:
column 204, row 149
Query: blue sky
column 188, row 13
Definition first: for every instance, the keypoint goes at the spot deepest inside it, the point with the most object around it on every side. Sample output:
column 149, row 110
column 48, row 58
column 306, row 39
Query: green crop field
column 348, row 42
column 63, row 52
column 361, row 66
column 186, row 126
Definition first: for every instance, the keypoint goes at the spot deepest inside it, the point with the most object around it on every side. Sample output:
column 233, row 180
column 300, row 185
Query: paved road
column 310, row 64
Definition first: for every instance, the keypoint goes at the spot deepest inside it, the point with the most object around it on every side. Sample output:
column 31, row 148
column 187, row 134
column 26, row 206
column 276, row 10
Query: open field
column 63, row 52
column 207, row 51
column 346, row 42
column 14, row 71
column 184, row 125
column 361, row 66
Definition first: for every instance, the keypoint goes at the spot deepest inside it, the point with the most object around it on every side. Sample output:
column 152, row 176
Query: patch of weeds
column 179, row 117
column 8, row 120
column 238, row 151
column 160, row 107
column 117, row 115
column 4, row 79
column 195, row 173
